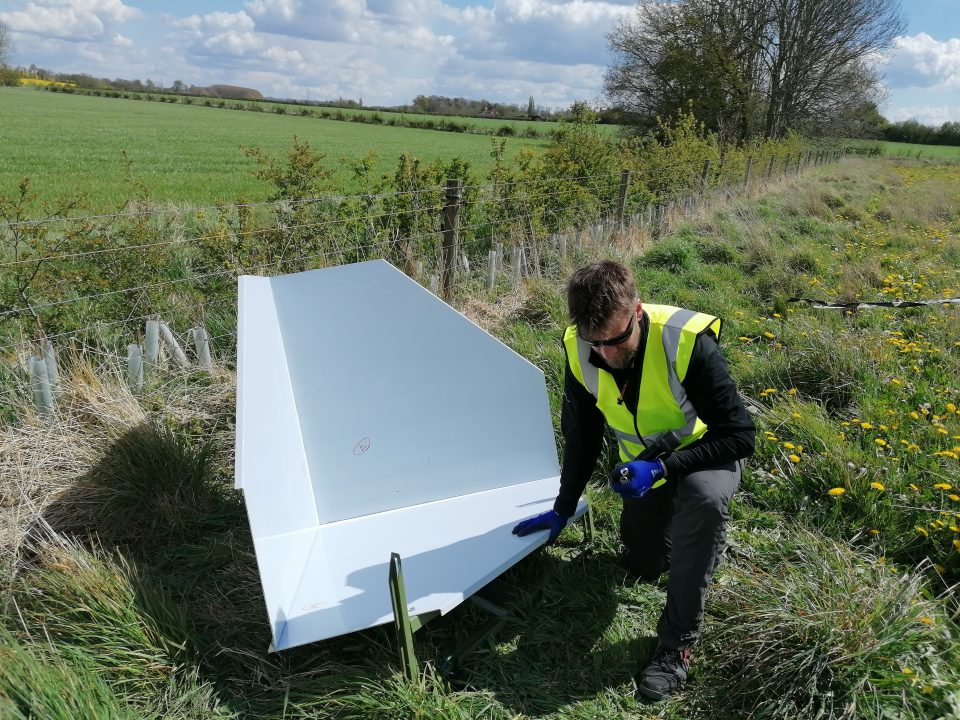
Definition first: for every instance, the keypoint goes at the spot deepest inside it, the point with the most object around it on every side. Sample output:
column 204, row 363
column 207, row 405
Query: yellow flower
column 768, row 334
column 926, row 620
column 794, row 458
column 788, row 445
column 797, row 415
column 770, row 390
column 880, row 441
column 953, row 497
column 922, row 531
column 833, row 492
column 956, row 543
column 907, row 671
column 951, row 407
column 874, row 531
column 943, row 486
column 866, row 426
column 792, row 391
column 877, row 486
column 915, row 415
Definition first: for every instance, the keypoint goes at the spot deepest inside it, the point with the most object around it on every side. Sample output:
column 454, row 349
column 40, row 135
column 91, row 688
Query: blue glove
column 635, row 479
column 544, row 521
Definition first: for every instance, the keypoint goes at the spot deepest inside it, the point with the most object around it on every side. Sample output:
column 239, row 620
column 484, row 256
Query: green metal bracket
column 402, row 623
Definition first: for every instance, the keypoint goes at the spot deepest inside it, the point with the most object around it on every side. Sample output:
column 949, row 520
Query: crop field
column 914, row 151
column 190, row 154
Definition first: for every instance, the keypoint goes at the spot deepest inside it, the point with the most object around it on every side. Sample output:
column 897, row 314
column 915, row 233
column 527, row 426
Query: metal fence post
column 451, row 240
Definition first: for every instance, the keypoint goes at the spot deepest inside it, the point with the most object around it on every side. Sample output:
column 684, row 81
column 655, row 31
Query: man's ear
column 639, row 309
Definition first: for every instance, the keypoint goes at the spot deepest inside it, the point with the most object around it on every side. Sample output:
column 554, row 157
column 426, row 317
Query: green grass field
column 189, row 153
column 912, row 150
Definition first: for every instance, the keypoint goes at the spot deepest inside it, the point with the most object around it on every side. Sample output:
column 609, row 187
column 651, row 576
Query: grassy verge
column 813, row 616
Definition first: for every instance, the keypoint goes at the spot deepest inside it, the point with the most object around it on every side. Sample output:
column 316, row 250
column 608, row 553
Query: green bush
column 673, row 254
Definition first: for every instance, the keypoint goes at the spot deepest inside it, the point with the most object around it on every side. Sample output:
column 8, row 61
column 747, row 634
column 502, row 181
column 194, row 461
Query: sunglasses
column 618, row 340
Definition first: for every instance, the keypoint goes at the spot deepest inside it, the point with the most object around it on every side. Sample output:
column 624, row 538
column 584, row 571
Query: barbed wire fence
column 63, row 277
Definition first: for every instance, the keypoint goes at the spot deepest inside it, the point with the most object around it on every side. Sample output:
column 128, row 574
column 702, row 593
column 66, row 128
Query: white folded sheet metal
column 373, row 418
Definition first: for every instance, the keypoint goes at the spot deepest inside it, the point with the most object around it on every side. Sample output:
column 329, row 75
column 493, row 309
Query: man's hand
column 634, row 479
column 544, row 521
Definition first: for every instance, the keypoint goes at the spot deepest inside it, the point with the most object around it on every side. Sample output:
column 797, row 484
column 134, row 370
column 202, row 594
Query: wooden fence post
column 746, row 174
column 517, row 264
column 705, row 177
column 622, row 198
column 773, row 159
column 451, row 240
column 491, row 269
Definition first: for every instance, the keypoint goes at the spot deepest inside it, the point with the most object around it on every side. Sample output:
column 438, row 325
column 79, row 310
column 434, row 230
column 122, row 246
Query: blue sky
column 389, row 51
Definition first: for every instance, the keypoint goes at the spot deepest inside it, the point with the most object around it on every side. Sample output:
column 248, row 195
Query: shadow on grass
column 155, row 500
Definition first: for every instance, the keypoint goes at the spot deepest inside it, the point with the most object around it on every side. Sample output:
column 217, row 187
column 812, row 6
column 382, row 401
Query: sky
column 389, row 51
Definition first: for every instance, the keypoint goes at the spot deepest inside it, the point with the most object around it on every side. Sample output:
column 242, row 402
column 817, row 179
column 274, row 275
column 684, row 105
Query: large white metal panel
column 401, row 399
column 271, row 464
column 372, row 418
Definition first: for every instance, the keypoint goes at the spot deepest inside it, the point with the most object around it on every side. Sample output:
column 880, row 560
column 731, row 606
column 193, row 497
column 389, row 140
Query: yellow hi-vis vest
column 662, row 403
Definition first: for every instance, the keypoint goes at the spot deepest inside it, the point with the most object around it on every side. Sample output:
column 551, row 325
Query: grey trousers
column 681, row 526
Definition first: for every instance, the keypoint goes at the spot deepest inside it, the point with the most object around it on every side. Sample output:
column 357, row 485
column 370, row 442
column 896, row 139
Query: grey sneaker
column 666, row 673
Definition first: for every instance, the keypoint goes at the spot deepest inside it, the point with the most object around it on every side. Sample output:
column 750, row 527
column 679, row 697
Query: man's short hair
column 598, row 291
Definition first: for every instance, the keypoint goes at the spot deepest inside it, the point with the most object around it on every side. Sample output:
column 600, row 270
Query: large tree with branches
column 5, row 46
column 752, row 67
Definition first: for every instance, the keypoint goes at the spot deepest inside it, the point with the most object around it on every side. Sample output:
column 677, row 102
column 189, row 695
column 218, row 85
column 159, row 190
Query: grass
column 912, row 150
column 189, row 154
column 845, row 610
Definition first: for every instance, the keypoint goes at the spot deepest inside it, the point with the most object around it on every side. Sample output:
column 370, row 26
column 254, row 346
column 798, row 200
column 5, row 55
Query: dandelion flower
column 768, row 334
column 877, row 486
column 789, row 445
column 880, row 441
column 834, row 492
column 956, row 543
column 794, row 458
column 925, row 619
column 943, row 486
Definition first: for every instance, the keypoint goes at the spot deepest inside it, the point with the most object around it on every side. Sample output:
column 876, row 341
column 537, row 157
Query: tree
column 6, row 45
column 750, row 67
column 179, row 86
column 531, row 108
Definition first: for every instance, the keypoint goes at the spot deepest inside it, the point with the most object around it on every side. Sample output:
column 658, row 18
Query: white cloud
column 69, row 19
column 921, row 61
column 935, row 115
column 563, row 33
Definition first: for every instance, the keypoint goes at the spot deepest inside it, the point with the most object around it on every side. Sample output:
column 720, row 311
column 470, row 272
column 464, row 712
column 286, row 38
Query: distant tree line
column 912, row 131
column 440, row 105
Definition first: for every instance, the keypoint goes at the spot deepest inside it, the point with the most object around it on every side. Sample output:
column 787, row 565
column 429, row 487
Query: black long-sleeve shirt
column 730, row 432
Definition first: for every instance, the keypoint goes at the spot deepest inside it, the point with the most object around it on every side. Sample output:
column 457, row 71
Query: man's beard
column 625, row 363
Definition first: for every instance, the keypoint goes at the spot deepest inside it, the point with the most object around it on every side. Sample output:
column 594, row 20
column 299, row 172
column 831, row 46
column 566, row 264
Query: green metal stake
column 401, row 619
column 588, row 532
